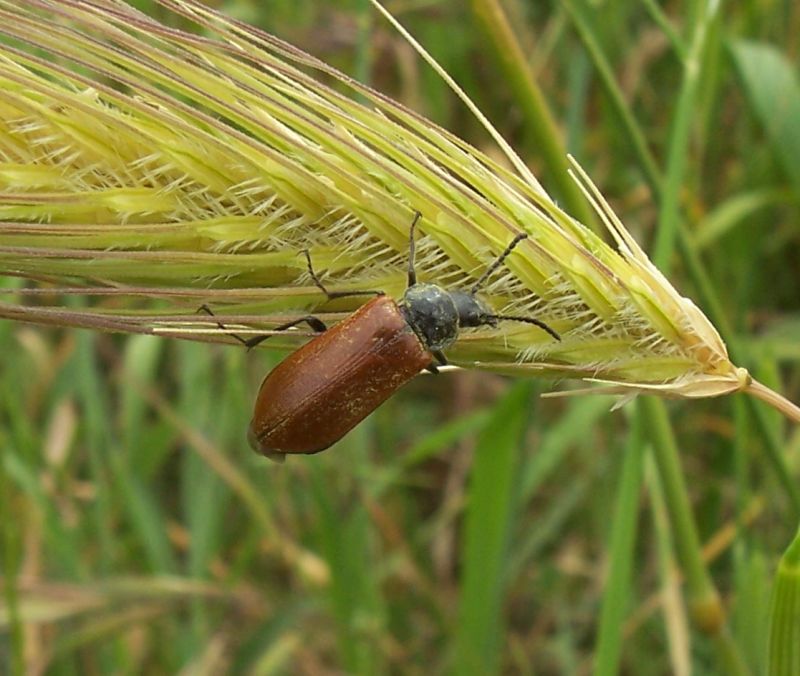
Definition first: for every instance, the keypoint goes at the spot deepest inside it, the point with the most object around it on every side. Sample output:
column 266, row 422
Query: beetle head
column 432, row 314
column 471, row 311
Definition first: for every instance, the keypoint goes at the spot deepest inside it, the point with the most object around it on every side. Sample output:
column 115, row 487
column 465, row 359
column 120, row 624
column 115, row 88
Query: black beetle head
column 436, row 314
column 471, row 312
column 432, row 314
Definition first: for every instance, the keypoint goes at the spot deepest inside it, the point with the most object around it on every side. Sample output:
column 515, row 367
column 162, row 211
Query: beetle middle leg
column 210, row 313
column 412, row 273
column 315, row 323
column 335, row 294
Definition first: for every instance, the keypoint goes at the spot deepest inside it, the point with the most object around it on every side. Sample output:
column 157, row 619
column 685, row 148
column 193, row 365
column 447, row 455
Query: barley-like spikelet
column 138, row 159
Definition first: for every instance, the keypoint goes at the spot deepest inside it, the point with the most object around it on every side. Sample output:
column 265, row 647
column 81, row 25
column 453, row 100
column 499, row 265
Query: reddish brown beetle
column 329, row 385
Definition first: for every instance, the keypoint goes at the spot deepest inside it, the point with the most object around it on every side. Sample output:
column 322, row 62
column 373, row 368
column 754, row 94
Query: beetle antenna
column 528, row 320
column 412, row 274
column 497, row 263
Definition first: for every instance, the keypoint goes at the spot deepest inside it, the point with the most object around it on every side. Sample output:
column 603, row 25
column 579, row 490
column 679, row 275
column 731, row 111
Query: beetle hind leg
column 315, row 323
column 210, row 313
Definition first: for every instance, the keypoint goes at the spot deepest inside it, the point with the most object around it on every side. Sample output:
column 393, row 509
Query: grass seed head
column 138, row 157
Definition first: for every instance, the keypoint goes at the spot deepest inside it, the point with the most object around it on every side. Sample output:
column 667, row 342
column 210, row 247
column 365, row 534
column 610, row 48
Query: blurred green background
column 467, row 526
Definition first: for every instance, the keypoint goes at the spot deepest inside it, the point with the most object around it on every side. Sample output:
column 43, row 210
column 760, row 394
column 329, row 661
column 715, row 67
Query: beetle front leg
column 439, row 356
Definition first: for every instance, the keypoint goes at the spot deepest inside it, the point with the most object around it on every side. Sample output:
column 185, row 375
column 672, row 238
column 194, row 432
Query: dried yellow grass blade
column 139, row 159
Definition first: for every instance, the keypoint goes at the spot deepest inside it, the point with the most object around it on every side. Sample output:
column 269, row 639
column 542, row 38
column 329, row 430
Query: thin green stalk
column 669, row 211
column 363, row 58
column 616, row 596
column 545, row 133
column 774, row 448
column 493, row 497
column 89, row 391
column 705, row 606
column 705, row 288
column 707, row 610
column 636, row 137
column 672, row 605
column 9, row 562
column 345, row 539
column 784, row 631
column 666, row 26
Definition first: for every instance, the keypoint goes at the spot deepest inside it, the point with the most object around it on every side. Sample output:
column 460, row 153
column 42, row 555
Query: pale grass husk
column 142, row 161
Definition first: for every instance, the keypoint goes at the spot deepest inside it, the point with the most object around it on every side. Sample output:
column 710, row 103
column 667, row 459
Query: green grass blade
column 11, row 621
column 491, row 510
column 738, row 211
column 784, row 633
column 541, row 125
column 346, row 540
column 84, row 377
column 616, row 596
column 565, row 432
column 705, row 605
column 751, row 613
column 682, row 125
column 672, row 606
column 772, row 87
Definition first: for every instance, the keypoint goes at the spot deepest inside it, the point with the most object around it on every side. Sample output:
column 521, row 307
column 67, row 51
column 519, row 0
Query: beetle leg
column 439, row 356
column 210, row 313
column 412, row 273
column 315, row 323
column 334, row 294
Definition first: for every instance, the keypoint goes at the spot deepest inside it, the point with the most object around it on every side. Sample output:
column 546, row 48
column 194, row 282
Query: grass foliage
column 467, row 526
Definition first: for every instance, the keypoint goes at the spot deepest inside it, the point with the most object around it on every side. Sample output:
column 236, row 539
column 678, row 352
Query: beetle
column 326, row 387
